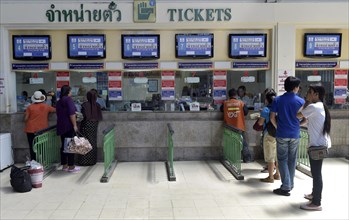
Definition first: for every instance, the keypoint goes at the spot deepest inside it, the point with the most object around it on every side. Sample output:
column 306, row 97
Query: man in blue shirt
column 286, row 107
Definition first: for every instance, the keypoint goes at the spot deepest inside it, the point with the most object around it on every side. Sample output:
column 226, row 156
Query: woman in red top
column 36, row 118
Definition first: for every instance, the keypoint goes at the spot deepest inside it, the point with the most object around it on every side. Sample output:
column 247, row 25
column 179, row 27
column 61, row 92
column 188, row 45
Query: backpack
column 20, row 179
column 271, row 129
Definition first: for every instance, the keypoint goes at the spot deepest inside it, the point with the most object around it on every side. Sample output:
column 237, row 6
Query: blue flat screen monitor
column 322, row 45
column 140, row 47
column 194, row 45
column 86, row 46
column 31, row 47
column 247, row 45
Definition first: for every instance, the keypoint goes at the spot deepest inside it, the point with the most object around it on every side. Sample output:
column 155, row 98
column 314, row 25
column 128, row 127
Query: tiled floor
column 203, row 190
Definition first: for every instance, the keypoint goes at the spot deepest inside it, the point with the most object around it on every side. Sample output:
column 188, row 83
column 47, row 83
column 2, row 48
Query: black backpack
column 20, row 179
column 270, row 127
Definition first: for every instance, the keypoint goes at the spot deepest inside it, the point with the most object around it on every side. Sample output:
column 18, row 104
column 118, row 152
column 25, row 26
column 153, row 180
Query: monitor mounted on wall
column 31, row 47
column 322, row 45
column 140, row 46
column 198, row 45
column 86, row 46
column 247, row 46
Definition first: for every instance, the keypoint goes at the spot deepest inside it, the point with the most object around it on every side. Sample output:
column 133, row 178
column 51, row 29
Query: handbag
column 78, row 145
column 257, row 127
column 318, row 152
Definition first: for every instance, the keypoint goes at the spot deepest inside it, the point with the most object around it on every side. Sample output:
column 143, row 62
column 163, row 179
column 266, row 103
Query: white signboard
column 136, row 107
column 194, row 107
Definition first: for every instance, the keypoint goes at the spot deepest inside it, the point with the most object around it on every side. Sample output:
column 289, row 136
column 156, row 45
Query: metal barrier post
column 232, row 146
column 169, row 163
column 46, row 146
column 303, row 163
column 109, row 153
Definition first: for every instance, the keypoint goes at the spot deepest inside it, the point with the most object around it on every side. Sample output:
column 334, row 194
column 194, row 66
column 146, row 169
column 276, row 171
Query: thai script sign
column 110, row 14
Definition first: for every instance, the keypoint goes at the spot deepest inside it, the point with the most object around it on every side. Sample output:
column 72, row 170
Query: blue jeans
column 315, row 168
column 287, row 150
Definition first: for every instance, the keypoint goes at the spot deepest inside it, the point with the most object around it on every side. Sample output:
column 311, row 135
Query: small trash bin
column 36, row 176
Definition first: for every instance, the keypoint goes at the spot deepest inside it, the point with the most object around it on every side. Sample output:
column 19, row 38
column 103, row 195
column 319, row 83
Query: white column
column 285, row 54
column 8, row 101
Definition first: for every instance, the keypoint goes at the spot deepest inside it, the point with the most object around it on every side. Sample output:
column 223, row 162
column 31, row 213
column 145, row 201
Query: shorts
column 269, row 148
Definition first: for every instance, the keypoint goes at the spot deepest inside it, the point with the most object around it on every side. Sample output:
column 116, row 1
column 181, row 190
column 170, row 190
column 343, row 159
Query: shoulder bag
column 318, row 152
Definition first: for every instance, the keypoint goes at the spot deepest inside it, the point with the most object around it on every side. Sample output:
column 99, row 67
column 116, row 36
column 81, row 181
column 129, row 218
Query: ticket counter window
column 142, row 87
column 253, row 81
column 326, row 79
column 194, row 86
column 29, row 82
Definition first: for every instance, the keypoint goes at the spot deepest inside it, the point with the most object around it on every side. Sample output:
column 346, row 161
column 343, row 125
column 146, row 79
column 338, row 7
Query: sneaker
column 308, row 196
column 281, row 192
column 277, row 176
column 311, row 207
column 65, row 168
column 75, row 170
column 267, row 180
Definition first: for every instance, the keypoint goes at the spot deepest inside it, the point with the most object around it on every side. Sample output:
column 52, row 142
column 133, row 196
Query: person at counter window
column 36, row 118
column 100, row 100
column 234, row 115
column 242, row 95
column 66, row 126
column 92, row 113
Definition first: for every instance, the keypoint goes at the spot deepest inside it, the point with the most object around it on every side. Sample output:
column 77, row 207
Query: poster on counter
column 115, row 86
column 168, row 85
column 340, row 86
column 62, row 78
column 219, row 86
column 2, row 85
column 282, row 75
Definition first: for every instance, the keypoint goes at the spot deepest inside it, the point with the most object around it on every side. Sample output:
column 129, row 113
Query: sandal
column 267, row 180
column 75, row 170
column 276, row 176
column 308, row 196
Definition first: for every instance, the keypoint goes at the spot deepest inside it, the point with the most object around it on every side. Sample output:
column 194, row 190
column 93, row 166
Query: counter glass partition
column 145, row 87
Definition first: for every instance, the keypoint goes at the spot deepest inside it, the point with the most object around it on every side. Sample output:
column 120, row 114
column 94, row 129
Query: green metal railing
column 46, row 146
column 169, row 163
column 303, row 164
column 232, row 146
column 109, row 153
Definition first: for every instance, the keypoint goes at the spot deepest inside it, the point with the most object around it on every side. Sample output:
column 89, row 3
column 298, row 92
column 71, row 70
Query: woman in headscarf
column 92, row 113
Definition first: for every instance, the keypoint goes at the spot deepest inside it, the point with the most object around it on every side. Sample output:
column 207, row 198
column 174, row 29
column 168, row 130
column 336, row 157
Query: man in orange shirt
column 36, row 118
column 234, row 115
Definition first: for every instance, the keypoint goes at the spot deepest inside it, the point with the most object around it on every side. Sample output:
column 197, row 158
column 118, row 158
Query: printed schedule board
column 194, row 45
column 247, row 45
column 140, row 46
column 31, row 47
column 86, row 46
column 322, row 44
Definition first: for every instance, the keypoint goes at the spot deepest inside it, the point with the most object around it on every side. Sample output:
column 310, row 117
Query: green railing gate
column 169, row 163
column 303, row 164
column 109, row 153
column 46, row 146
column 232, row 146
